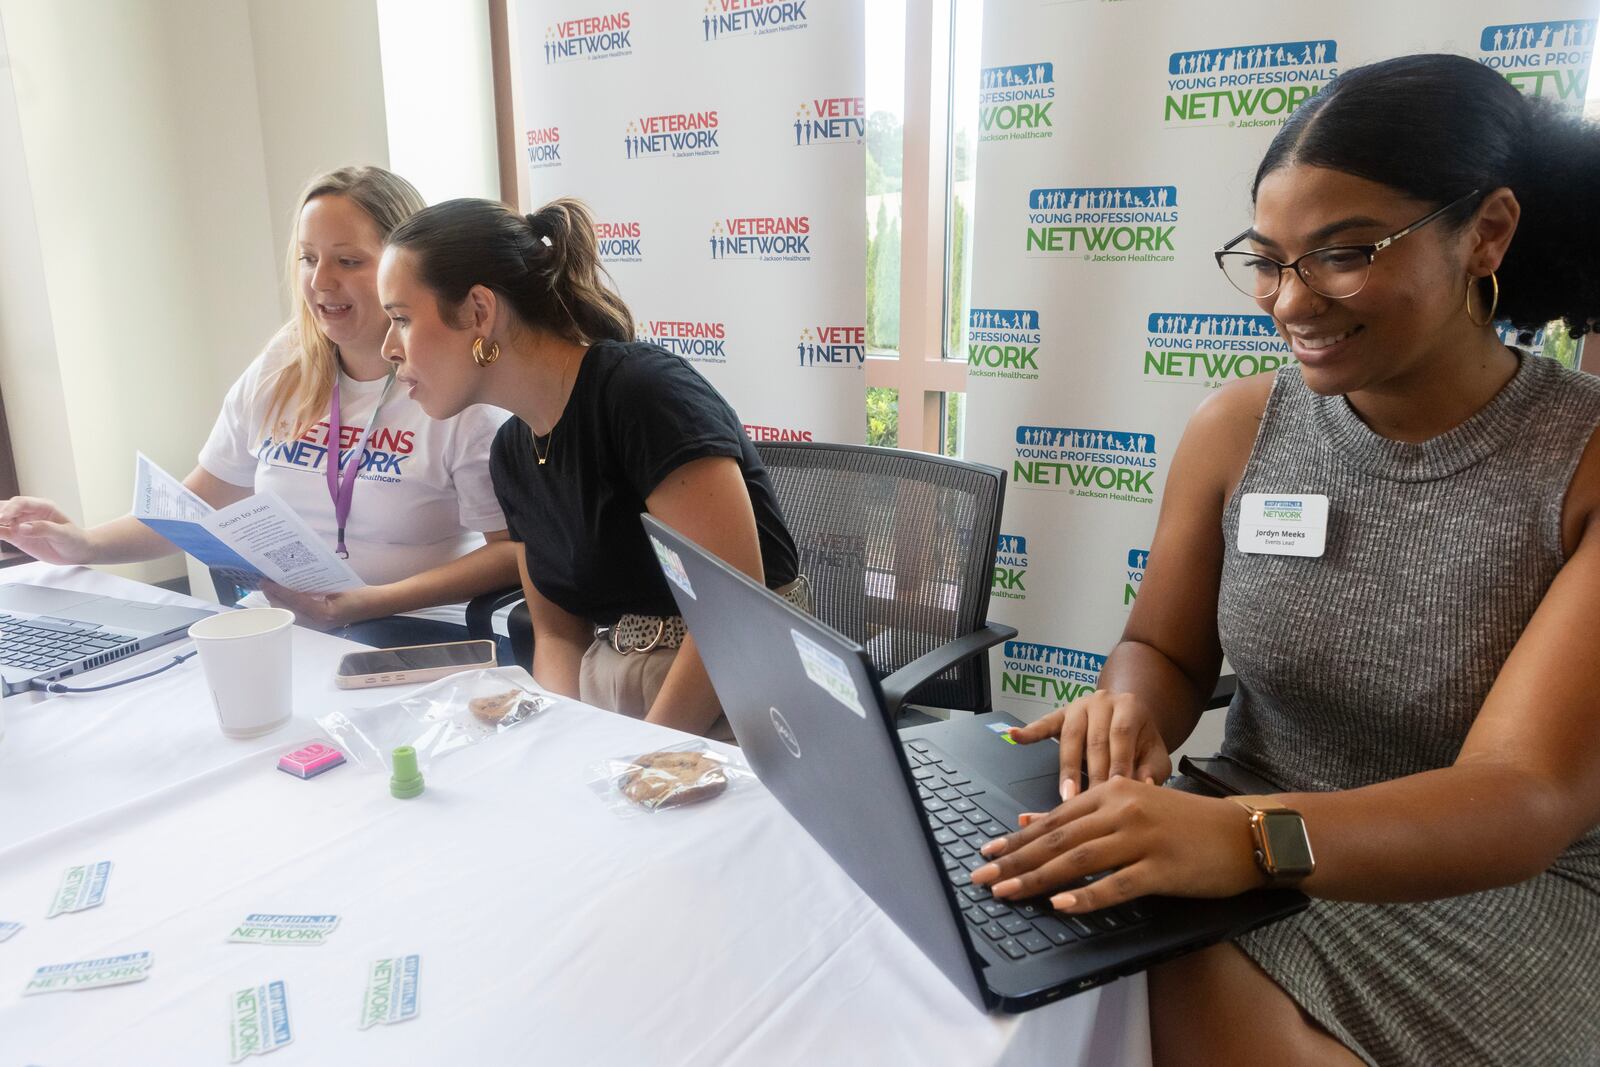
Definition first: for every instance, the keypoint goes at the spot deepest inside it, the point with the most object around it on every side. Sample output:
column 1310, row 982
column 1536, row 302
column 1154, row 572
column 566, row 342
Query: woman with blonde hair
column 410, row 501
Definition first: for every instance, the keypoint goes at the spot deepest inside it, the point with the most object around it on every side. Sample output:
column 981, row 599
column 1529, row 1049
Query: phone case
column 412, row 676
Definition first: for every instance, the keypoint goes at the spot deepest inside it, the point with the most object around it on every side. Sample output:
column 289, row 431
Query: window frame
column 921, row 372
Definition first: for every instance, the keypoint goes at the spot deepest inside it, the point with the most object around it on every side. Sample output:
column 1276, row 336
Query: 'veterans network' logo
column 672, row 136
column 591, row 37
column 833, row 346
column 752, row 18
column 695, row 340
column 769, row 238
column 620, row 242
column 544, row 147
column 830, row 120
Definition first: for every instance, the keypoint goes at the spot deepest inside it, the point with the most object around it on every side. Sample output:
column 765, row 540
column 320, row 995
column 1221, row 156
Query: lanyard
column 342, row 487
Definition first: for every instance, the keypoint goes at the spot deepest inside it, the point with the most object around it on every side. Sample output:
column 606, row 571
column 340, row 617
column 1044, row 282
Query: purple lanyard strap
column 342, row 487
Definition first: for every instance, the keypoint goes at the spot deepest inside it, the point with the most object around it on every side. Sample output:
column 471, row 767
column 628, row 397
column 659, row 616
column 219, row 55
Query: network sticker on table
column 89, row 974
column 391, row 990
column 258, row 1020
column 81, row 887
column 259, row 929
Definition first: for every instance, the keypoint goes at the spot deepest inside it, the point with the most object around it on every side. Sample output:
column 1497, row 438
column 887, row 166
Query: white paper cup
column 246, row 657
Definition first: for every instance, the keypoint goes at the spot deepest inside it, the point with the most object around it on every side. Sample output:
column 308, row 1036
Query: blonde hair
column 300, row 390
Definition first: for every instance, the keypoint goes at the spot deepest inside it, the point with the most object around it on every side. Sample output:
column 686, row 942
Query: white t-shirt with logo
column 422, row 497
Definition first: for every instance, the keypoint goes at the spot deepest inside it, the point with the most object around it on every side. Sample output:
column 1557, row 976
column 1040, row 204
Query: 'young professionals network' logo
column 769, row 238
column 1010, row 568
column 1048, row 673
column 1098, row 464
column 1003, row 343
column 1549, row 59
column 833, row 346
column 620, row 242
column 676, row 135
column 757, row 432
column 830, row 120
column 1116, row 224
column 1137, row 558
column 1014, row 102
column 593, row 37
column 1246, row 85
column 544, row 147
column 696, row 341
column 752, row 18
column 1208, row 350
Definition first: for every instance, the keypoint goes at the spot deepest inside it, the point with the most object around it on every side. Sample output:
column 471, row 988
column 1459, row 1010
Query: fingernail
column 985, row 873
column 1063, row 901
column 1069, row 788
column 993, row 848
column 1006, row 888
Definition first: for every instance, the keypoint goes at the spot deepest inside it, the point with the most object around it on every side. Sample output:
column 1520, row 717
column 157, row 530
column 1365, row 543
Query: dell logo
column 786, row 735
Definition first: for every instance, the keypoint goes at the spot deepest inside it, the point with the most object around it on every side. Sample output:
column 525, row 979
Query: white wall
column 148, row 170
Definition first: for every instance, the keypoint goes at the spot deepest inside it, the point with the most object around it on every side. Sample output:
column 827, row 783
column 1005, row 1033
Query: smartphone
column 413, row 663
column 1227, row 777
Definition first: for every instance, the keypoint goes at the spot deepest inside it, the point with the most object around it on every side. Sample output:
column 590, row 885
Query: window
column 922, row 73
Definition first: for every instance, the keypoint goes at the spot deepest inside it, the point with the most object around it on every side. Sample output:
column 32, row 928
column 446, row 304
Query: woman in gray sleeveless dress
column 1416, row 670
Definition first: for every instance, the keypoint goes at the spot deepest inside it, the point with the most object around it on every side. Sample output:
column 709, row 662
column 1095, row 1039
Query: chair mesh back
column 899, row 547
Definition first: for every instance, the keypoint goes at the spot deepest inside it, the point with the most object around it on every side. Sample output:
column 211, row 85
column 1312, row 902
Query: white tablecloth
column 550, row 930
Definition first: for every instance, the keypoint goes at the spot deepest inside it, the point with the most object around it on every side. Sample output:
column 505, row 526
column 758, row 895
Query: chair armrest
column 899, row 684
column 481, row 609
column 1222, row 695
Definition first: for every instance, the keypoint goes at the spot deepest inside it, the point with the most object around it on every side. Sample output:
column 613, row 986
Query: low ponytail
column 1550, row 270
column 546, row 265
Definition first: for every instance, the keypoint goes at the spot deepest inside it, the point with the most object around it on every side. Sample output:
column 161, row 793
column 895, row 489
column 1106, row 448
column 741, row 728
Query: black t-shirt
column 636, row 414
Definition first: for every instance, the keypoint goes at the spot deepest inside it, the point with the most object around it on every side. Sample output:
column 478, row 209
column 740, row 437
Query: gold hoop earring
column 481, row 358
column 1493, row 303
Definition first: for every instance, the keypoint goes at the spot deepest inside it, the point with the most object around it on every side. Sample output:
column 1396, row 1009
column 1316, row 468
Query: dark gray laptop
column 47, row 634
column 905, row 812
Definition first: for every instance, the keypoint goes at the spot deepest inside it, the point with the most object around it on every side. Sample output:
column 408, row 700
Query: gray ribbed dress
column 1371, row 663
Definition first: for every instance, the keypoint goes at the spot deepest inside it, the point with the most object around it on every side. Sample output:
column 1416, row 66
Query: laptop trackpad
column 1037, row 794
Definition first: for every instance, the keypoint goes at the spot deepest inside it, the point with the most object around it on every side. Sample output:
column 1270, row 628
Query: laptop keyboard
column 960, row 812
column 30, row 645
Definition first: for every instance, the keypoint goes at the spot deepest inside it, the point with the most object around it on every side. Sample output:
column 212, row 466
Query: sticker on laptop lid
column 1004, row 730
column 672, row 567
column 829, row 672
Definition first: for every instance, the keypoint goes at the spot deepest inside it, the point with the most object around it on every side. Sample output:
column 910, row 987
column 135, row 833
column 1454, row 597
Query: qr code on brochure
column 292, row 555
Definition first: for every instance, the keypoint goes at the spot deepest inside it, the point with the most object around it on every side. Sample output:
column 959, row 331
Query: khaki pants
column 629, row 684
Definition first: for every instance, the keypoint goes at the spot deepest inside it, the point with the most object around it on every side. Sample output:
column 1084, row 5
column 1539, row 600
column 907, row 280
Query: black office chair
column 519, row 624
column 899, row 548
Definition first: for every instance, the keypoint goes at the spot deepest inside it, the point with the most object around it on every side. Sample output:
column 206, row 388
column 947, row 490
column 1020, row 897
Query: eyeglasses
column 1336, row 272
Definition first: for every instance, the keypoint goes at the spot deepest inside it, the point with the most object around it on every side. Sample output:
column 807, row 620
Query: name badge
column 1283, row 524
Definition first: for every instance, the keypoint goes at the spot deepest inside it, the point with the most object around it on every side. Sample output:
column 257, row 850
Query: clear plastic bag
column 452, row 713
column 673, row 777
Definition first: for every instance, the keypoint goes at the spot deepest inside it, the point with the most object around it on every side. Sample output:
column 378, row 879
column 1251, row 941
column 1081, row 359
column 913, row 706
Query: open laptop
column 47, row 634
column 904, row 812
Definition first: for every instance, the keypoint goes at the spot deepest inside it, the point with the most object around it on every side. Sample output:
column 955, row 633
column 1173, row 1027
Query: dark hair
column 1436, row 127
column 546, row 265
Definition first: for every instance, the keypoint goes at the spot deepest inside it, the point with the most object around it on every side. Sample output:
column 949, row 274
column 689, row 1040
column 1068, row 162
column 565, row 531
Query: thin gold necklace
column 549, row 439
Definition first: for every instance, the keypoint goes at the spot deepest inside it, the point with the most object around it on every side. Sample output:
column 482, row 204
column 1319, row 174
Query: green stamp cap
column 406, row 782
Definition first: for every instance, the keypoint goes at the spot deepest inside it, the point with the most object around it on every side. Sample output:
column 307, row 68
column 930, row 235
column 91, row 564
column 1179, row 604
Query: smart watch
column 1282, row 849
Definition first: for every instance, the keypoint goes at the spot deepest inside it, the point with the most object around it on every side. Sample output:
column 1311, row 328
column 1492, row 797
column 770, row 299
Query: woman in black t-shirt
column 488, row 306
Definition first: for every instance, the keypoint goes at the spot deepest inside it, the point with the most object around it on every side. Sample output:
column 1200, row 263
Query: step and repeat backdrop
column 1117, row 143
column 721, row 146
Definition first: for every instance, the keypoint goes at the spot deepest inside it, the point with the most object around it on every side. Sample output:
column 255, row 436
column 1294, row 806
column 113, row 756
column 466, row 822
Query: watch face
column 1288, row 848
